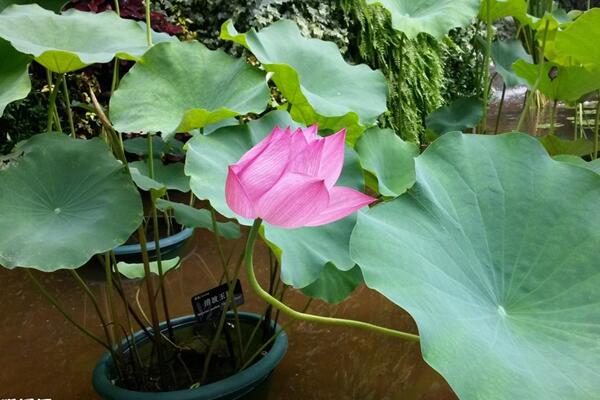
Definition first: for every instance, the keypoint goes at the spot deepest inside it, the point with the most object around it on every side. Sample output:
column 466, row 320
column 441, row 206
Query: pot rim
column 247, row 378
column 151, row 245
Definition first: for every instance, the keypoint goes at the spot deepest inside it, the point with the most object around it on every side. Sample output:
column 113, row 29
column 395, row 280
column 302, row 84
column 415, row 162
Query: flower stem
column 500, row 109
column 537, row 81
column 148, row 22
column 596, row 127
column 52, row 113
column 487, row 82
column 304, row 316
column 68, row 106
column 231, row 281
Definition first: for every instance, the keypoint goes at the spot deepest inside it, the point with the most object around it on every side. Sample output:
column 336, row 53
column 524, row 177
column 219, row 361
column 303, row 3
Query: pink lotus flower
column 288, row 180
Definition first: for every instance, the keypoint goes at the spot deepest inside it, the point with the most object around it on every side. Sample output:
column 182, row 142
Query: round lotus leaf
column 494, row 253
column 170, row 176
column 554, row 145
column 192, row 87
column 64, row 201
column 580, row 39
column 334, row 285
column 389, row 158
column 14, row 75
column 73, row 39
column 314, row 77
column 192, row 217
column 566, row 83
column 593, row 165
column 54, row 5
column 499, row 9
column 505, row 53
column 435, row 17
column 137, row 271
column 463, row 113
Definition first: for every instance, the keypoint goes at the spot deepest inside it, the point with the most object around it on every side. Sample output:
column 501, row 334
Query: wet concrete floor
column 43, row 356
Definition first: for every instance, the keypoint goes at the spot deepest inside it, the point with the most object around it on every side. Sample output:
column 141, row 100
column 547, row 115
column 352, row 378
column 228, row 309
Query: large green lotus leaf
column 494, row 252
column 54, row 5
column 196, row 218
column 555, row 146
column 209, row 155
column 63, row 202
column 593, row 165
column 74, row 39
column 147, row 184
column 136, row 271
column 14, row 75
column 389, row 159
column 580, row 39
column 304, row 251
column 170, row 176
column 505, row 8
column 504, row 54
column 461, row 114
column 334, row 285
column 313, row 76
column 191, row 87
column 435, row 17
column 560, row 82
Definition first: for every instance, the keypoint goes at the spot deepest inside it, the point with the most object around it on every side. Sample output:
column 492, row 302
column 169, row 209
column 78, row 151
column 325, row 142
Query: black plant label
column 209, row 305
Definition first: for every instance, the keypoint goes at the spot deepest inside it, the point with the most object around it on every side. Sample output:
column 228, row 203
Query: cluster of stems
column 117, row 337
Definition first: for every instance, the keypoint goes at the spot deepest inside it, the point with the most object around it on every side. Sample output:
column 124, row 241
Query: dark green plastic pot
column 251, row 383
column 170, row 247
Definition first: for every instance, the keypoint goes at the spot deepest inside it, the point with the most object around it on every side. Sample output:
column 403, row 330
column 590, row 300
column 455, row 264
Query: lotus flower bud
column 288, row 180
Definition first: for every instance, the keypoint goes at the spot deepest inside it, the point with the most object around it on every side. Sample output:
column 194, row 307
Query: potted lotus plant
column 77, row 198
column 478, row 237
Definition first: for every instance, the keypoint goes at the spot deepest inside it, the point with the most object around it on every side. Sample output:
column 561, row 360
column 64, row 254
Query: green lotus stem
column 220, row 325
column 148, row 21
column 115, row 78
column 581, row 127
column 161, row 275
column 537, row 81
column 64, row 313
column 109, row 294
column 575, row 120
column 230, row 280
column 116, row 137
column 596, row 124
column 117, row 8
column 116, row 278
column 500, row 109
column 52, row 113
column 156, row 233
column 486, row 65
column 150, row 159
column 151, row 303
column 68, row 106
column 304, row 316
column 260, row 322
column 228, row 303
